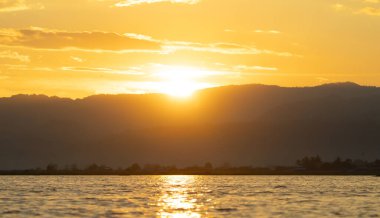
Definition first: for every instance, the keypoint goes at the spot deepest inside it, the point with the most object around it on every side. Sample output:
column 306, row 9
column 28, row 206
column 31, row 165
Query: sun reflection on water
column 177, row 200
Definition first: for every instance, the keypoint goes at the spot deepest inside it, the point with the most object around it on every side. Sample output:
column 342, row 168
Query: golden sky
column 76, row 48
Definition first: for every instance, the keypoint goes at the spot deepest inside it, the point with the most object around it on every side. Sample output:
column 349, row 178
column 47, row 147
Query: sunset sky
column 76, row 48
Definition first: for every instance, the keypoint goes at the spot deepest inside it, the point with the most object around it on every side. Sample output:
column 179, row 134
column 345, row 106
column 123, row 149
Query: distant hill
column 243, row 125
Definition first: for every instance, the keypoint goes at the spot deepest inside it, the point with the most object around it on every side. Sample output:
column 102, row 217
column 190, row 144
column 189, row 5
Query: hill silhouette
column 243, row 125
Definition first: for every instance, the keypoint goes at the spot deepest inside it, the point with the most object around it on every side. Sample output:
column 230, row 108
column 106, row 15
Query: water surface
column 189, row 196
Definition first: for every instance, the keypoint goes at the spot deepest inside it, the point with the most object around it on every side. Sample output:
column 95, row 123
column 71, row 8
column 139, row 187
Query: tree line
column 312, row 165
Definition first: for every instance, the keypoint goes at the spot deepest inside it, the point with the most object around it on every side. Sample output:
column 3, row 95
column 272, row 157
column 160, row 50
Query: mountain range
column 255, row 125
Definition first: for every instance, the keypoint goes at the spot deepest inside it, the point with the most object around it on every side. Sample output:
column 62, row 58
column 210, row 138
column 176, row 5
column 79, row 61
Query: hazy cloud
column 14, row 55
column 267, row 31
column 372, row 8
column 370, row 11
column 18, row 5
column 339, row 7
column 55, row 39
column 103, row 70
column 366, row 7
column 372, row 1
column 128, row 3
column 223, row 48
column 254, row 68
column 246, row 69
column 40, row 38
column 23, row 67
column 77, row 59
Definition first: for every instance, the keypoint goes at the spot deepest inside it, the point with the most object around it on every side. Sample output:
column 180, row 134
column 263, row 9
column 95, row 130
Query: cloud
column 246, row 69
column 103, row 70
column 130, row 71
column 23, row 67
column 370, row 11
column 254, row 68
column 40, row 38
column 322, row 79
column 3, row 77
column 128, row 3
column 14, row 55
column 77, row 59
column 371, row 8
column 267, row 31
column 222, row 48
column 12, row 5
column 365, row 7
column 18, row 5
column 372, row 1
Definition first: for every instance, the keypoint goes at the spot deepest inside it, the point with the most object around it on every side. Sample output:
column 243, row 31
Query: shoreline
column 195, row 174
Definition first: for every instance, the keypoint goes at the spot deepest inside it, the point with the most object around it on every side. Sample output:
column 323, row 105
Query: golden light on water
column 176, row 200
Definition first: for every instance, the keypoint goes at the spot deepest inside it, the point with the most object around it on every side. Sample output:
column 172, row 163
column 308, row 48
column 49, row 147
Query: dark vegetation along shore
column 304, row 166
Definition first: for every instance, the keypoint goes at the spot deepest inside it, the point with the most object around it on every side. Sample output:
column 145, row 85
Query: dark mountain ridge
column 244, row 125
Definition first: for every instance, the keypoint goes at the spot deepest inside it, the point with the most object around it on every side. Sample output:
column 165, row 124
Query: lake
column 190, row 196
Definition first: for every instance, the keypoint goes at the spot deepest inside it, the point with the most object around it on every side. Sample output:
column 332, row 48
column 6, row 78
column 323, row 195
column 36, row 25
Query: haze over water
column 189, row 196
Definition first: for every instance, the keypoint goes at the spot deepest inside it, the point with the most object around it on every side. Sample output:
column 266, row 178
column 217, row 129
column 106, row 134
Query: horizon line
column 342, row 83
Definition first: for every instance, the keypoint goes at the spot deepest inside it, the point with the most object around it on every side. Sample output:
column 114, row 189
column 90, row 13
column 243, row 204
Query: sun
column 181, row 82
column 180, row 89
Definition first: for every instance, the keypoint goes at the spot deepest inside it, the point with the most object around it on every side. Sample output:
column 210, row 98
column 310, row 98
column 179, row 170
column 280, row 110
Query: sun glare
column 181, row 82
column 180, row 89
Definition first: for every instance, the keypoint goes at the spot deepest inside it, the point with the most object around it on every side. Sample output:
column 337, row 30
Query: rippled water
column 189, row 196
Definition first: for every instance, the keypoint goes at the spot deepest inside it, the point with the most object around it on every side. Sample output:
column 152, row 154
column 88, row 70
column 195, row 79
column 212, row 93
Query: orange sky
column 76, row 48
